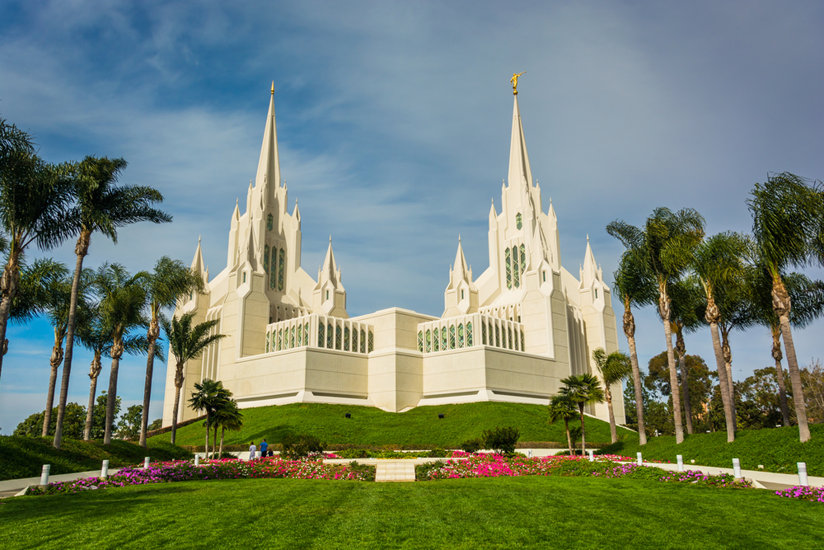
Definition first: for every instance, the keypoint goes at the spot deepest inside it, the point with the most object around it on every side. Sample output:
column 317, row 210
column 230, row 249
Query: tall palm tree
column 170, row 280
column 633, row 286
column 686, row 297
column 583, row 389
column 34, row 197
column 227, row 417
column 102, row 206
column 717, row 262
column 614, row 368
column 209, row 396
column 123, row 298
column 807, row 298
column 186, row 342
column 787, row 218
column 561, row 407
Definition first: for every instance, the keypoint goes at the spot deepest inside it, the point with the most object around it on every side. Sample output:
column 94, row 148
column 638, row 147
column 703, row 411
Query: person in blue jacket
column 263, row 447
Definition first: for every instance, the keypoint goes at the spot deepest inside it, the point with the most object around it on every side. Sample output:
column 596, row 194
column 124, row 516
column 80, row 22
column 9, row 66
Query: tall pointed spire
column 330, row 271
column 268, row 172
column 460, row 271
column 589, row 271
column 197, row 261
column 520, row 173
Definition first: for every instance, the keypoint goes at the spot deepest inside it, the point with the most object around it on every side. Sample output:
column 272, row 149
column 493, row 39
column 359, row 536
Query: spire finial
column 459, row 237
column 514, row 81
column 273, row 88
column 198, row 240
column 330, row 238
column 587, row 237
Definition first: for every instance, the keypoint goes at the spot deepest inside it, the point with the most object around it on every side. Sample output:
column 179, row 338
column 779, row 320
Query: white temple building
column 511, row 334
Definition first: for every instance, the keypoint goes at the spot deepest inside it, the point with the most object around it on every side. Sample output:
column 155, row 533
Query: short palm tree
column 34, row 198
column 209, row 396
column 582, row 390
column 227, row 417
column 561, row 407
column 123, row 298
column 101, row 206
column 614, row 368
column 787, row 218
column 718, row 262
column 186, row 342
column 169, row 281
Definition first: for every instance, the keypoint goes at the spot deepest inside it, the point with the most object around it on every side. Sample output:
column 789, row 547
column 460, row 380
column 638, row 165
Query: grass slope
column 369, row 426
column 525, row 512
column 778, row 449
column 24, row 456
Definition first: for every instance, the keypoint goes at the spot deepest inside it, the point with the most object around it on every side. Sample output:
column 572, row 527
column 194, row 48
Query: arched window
column 483, row 333
column 355, row 339
column 346, row 339
column 451, row 336
column 371, row 341
column 280, row 340
column 272, row 268
column 292, row 337
column 435, row 340
column 266, row 348
column 443, row 339
column 460, row 335
column 300, row 335
column 306, row 334
column 266, row 258
column 320, row 335
column 363, row 341
column 523, row 258
column 281, row 267
column 338, row 335
column 428, row 340
column 469, row 334
column 508, row 268
column 523, row 344
column 518, row 222
column 497, row 336
column 330, row 335
column 269, row 222
column 516, row 279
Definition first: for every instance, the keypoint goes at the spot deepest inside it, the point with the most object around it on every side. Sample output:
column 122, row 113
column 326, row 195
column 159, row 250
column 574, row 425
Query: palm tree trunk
column 151, row 336
column 178, row 389
column 80, row 249
column 613, row 431
column 681, row 348
column 583, row 431
column 8, row 289
column 214, row 441
column 222, row 431
column 725, row 349
column 722, row 382
column 781, row 306
column 629, row 332
column 56, row 359
column 664, row 310
column 569, row 437
column 87, row 430
column 206, row 446
column 779, row 374
column 111, row 397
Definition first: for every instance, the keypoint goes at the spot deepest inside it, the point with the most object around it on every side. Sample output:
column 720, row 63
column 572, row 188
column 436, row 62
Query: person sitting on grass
column 252, row 450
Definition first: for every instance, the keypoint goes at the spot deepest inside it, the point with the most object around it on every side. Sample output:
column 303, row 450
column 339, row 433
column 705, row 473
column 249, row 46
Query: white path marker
column 591, row 455
column 680, row 460
column 44, row 474
column 197, row 460
column 146, row 463
column 104, row 470
column 640, row 461
column 802, row 474
column 736, row 468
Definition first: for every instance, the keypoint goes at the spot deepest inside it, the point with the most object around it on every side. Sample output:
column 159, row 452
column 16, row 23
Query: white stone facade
column 511, row 334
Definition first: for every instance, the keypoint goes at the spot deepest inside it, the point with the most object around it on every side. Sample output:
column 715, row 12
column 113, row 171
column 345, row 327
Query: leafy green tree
column 209, row 396
column 787, row 221
column 186, row 342
column 561, row 407
column 699, row 378
column 658, row 414
column 33, row 425
column 156, row 424
column 614, row 369
column 98, row 429
column 583, row 389
column 101, row 206
column 34, row 197
column 169, row 281
column 812, row 378
column 227, row 417
column 123, row 298
column 758, row 404
column 129, row 425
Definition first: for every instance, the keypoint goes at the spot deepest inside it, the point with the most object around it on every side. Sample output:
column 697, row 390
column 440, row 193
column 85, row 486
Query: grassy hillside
column 778, row 449
column 25, row 456
column 417, row 428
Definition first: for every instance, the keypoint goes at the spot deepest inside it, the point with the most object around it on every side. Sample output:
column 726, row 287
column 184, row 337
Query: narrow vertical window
column 451, row 336
column 596, row 293
column 518, row 221
column 281, row 267
column 460, row 335
column 280, row 340
column 497, row 336
column 516, row 279
column 266, row 258
column 443, row 339
column 355, row 339
column 320, row 335
column 428, row 340
column 523, row 258
column 330, row 336
column 362, row 341
column 346, row 339
column 269, row 223
column 371, row 341
column 292, row 337
column 483, row 333
column 508, row 268
column 469, row 334
column 523, row 344
column 338, row 337
column 543, row 274
column 300, row 335
column 435, row 339
column 306, row 334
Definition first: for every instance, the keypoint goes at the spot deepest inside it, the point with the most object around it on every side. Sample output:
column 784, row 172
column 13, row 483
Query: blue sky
column 393, row 122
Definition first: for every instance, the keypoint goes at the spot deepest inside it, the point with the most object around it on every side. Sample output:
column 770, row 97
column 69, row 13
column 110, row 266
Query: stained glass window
column 518, row 222
column 460, row 335
column 509, row 333
column 497, row 336
column 443, row 338
column 508, row 269
column 266, row 349
column 306, row 334
column 523, row 258
column 435, row 340
column 269, row 221
column 281, row 267
column 428, row 341
column 266, row 258
column 469, row 334
column 523, row 345
column 362, row 341
column 272, row 270
column 300, row 335
column 483, row 333
column 330, row 336
column 338, row 335
column 292, row 337
column 516, row 279
column 320, row 335
column 280, row 340
column 346, row 339
column 451, row 336
column 355, row 339
column 371, row 341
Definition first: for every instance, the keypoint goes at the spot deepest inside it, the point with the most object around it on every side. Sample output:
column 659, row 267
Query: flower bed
column 215, row 469
column 481, row 465
column 813, row 494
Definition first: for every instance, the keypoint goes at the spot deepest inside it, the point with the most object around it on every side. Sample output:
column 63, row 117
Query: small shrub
column 301, row 446
column 502, row 440
column 436, row 453
column 365, row 472
column 472, row 445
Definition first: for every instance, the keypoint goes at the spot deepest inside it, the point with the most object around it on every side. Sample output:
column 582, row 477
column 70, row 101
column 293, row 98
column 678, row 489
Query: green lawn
column 778, row 449
column 537, row 512
column 417, row 428
column 25, row 456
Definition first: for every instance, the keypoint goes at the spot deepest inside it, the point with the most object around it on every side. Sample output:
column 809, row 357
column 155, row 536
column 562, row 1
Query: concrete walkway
column 760, row 478
column 10, row 487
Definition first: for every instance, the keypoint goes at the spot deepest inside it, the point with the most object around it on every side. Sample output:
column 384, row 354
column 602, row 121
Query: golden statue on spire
column 514, row 81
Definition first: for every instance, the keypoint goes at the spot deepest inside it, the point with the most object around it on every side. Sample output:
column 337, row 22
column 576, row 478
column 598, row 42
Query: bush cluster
column 502, row 440
column 301, row 446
